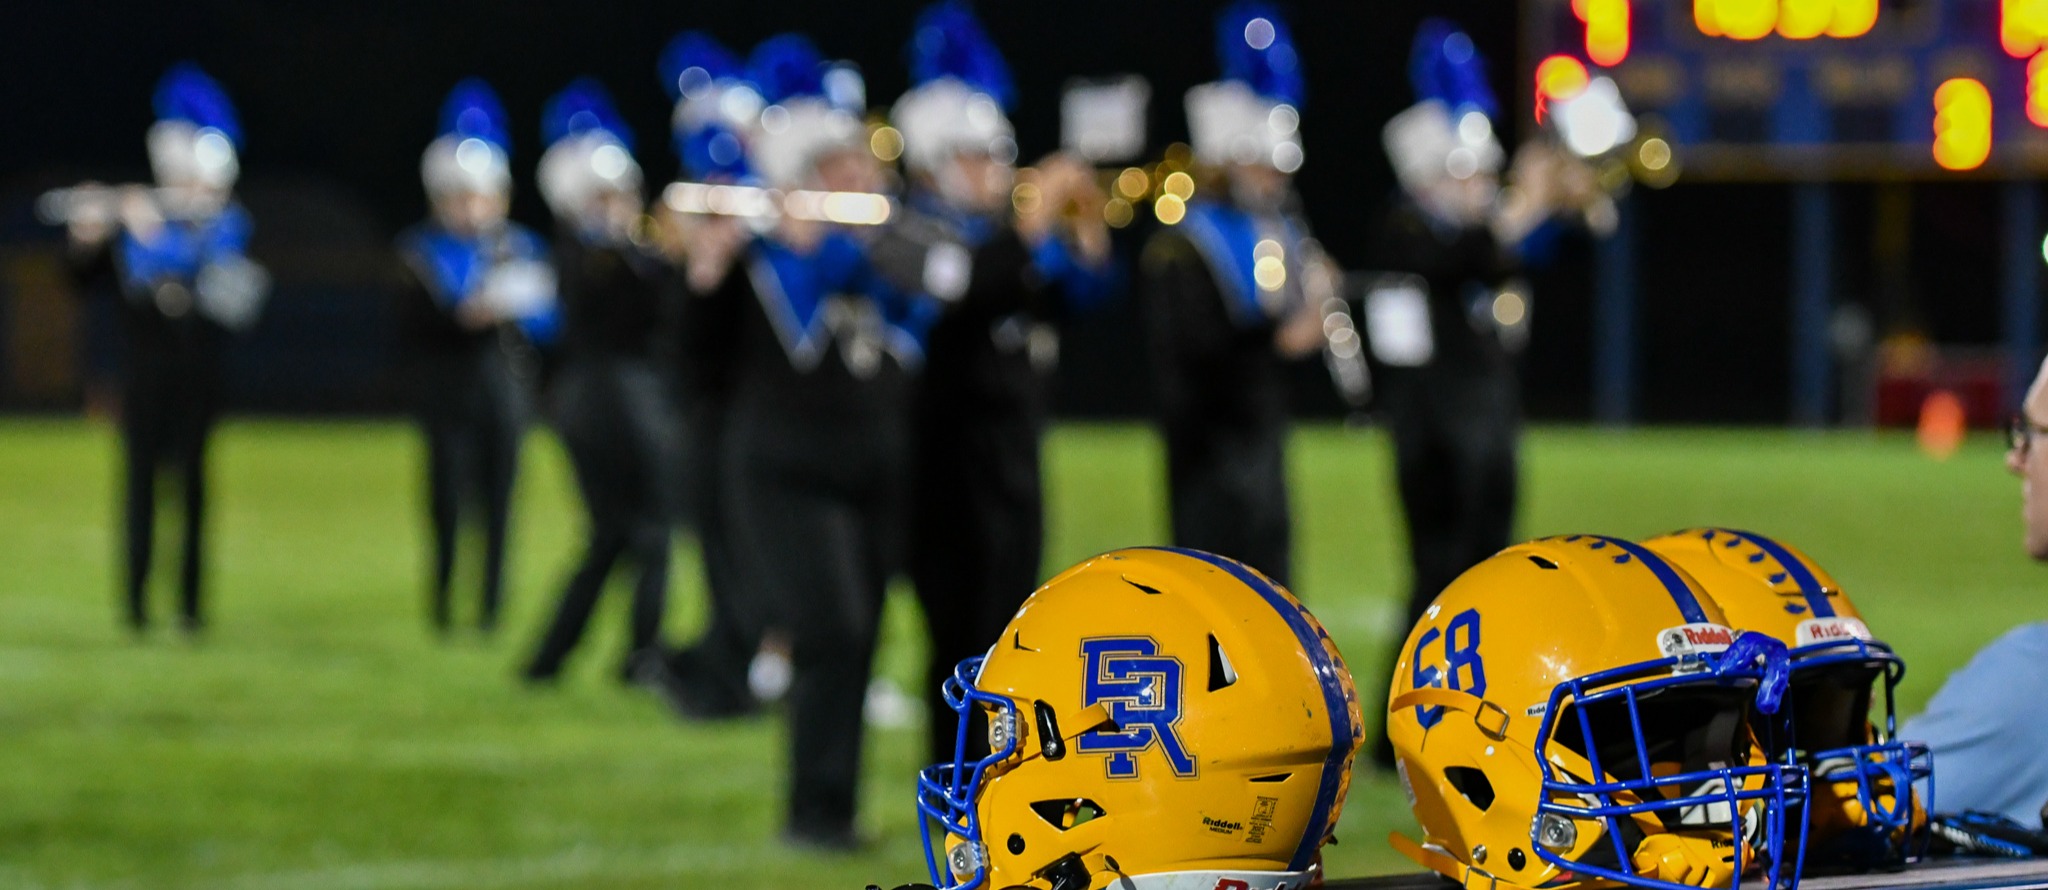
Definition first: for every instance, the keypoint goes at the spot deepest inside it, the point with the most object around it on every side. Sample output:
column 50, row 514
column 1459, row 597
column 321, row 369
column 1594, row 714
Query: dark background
column 338, row 100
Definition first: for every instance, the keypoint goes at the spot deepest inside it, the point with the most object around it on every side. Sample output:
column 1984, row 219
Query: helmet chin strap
column 1067, row 873
column 1751, row 648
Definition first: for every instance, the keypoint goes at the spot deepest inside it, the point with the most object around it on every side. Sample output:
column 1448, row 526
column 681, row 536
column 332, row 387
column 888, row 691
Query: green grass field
column 318, row 738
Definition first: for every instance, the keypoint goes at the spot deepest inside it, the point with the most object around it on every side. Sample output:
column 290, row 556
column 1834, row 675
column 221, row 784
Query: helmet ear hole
column 1067, row 815
column 1472, row 784
column 1221, row 674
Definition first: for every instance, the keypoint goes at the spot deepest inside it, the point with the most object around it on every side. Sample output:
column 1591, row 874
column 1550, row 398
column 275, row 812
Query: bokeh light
column 1607, row 39
column 1560, row 77
column 2022, row 26
column 1962, row 124
column 1804, row 19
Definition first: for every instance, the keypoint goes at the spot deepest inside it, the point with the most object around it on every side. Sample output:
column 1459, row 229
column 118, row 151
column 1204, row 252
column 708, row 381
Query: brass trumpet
column 1164, row 186
column 756, row 203
column 1167, row 185
column 83, row 203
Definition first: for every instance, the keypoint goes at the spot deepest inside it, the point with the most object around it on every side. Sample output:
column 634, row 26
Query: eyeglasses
column 2020, row 433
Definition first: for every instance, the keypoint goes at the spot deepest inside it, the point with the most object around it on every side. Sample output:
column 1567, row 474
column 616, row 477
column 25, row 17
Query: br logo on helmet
column 1106, row 684
column 1143, row 692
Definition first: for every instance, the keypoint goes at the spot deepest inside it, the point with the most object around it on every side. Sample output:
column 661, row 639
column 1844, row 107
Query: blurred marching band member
column 174, row 255
column 814, row 351
column 609, row 395
column 716, row 107
column 1225, row 302
column 980, row 407
column 482, row 299
column 1457, row 416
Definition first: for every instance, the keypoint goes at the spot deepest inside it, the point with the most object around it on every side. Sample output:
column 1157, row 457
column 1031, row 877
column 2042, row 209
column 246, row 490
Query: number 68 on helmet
column 1577, row 712
column 1160, row 719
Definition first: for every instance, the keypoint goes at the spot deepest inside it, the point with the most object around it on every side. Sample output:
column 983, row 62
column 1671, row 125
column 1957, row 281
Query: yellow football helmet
column 1159, row 718
column 1865, row 810
column 1575, row 712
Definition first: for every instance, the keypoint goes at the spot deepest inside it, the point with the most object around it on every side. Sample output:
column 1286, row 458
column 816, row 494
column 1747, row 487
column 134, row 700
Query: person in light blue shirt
column 1987, row 726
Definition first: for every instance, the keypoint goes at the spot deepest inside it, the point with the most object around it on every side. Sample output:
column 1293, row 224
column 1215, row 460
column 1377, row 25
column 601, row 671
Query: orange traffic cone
column 1943, row 424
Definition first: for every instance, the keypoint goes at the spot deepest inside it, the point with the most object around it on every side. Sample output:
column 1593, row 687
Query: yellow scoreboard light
column 1962, row 124
column 1852, row 18
column 1606, row 30
column 1804, row 19
column 1736, row 19
column 1790, row 19
column 1560, row 77
column 2023, row 26
column 2037, row 89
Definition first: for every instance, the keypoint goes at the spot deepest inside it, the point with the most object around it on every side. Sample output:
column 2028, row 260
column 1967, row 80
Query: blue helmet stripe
column 1674, row 584
column 1328, row 674
column 1810, row 586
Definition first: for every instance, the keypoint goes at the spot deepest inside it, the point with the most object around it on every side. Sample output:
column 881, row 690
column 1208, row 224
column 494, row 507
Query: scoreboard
column 1814, row 90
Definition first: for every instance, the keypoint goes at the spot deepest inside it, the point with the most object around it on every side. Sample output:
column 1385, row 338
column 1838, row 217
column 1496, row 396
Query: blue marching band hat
column 1253, row 114
column 197, row 136
column 961, row 90
column 1448, row 132
column 716, row 106
column 772, row 113
column 589, row 149
column 813, row 106
column 473, row 151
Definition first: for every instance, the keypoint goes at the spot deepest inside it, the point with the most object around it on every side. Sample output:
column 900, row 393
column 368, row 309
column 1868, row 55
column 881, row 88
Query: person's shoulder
column 2028, row 642
column 2014, row 658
